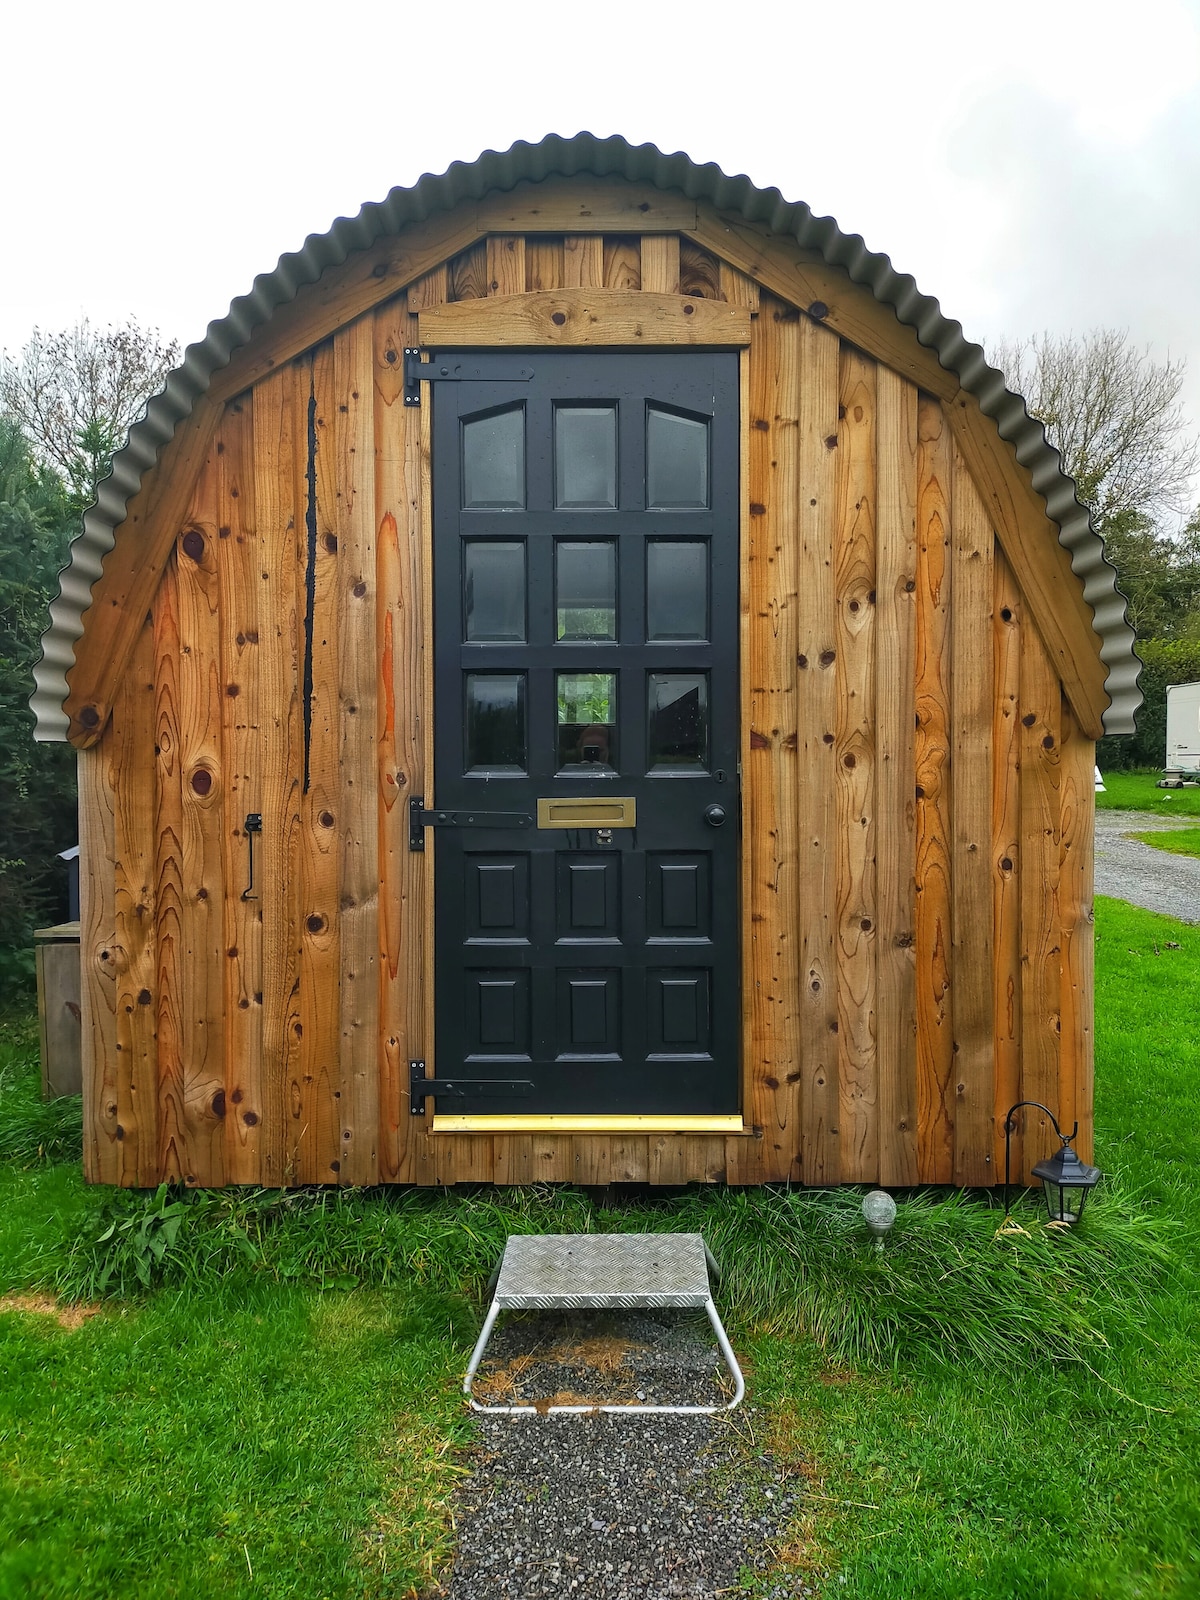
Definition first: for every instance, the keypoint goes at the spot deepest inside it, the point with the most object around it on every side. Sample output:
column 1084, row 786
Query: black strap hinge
column 452, row 369
column 419, row 819
column 420, row 1087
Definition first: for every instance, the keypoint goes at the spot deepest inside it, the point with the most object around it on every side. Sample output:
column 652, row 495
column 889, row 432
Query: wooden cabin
column 589, row 637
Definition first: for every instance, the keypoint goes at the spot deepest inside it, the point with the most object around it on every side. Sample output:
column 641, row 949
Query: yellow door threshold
column 581, row 1124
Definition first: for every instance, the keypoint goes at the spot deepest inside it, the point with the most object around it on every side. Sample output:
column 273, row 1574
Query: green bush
column 1164, row 662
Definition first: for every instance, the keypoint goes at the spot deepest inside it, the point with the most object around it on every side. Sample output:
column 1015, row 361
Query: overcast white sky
column 1034, row 164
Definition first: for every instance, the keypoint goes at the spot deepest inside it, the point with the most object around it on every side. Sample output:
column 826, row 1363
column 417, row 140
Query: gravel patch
column 1129, row 870
column 622, row 1507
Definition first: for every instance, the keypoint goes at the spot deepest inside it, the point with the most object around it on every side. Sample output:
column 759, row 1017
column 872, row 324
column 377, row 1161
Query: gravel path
column 621, row 1507
column 1129, row 870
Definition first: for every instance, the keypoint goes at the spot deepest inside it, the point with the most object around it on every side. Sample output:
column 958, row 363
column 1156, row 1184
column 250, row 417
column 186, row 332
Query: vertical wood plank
column 1006, row 829
column 736, row 288
column 935, row 1043
column 1076, row 858
column 506, row 263
column 170, row 911
column 972, row 585
column 132, row 764
column 203, row 792
column 316, row 1121
column 660, row 263
column 468, row 274
column 431, row 290
column 553, row 1158
column 462, row 1158
column 699, row 272
column 854, row 759
column 544, row 263
column 241, row 661
column 817, row 718
column 280, row 427
column 101, row 1156
column 895, row 829
column 404, row 1150
column 1041, row 933
column 622, row 262
column 770, row 760
column 583, row 261
column 358, row 987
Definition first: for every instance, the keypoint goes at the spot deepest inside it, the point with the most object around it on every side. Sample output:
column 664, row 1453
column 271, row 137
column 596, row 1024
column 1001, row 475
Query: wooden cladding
column 917, row 797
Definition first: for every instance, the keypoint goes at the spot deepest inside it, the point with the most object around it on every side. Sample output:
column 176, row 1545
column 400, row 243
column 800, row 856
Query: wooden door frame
column 592, row 319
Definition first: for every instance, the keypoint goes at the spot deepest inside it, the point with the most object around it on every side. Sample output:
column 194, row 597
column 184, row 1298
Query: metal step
column 603, row 1271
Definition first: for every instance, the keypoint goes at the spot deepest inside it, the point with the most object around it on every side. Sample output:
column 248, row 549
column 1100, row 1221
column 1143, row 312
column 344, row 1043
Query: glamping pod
column 584, row 675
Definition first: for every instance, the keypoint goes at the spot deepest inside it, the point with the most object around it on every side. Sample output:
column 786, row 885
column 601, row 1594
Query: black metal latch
column 420, row 1087
column 419, row 819
column 452, row 369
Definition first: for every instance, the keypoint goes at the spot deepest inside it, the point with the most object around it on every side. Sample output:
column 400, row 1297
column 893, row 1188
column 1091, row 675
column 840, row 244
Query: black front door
column 585, row 526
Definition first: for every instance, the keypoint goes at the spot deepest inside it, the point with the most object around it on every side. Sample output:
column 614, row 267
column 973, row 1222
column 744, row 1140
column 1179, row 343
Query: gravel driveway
column 630, row 1508
column 1129, row 870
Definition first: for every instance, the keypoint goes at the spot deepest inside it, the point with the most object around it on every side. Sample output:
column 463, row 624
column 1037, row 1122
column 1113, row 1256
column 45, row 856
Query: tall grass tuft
column 32, row 1130
column 795, row 1261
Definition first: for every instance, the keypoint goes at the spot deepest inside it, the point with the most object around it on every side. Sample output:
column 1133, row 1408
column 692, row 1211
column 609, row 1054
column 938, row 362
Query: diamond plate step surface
column 576, row 1271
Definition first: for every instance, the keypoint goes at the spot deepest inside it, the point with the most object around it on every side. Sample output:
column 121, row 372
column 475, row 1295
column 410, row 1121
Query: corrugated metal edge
column 607, row 157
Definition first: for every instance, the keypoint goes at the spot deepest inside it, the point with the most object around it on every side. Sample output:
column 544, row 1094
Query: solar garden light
column 1066, row 1180
column 879, row 1212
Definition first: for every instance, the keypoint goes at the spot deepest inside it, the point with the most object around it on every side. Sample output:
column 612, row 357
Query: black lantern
column 1066, row 1180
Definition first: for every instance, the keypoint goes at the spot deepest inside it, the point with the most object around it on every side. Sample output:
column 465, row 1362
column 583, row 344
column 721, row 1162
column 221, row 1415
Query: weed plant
column 33, row 1130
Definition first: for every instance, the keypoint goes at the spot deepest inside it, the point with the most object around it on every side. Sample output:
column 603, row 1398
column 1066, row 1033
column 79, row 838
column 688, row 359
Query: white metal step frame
column 604, row 1272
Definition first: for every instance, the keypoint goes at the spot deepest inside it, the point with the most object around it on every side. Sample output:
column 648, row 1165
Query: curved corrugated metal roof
column 611, row 157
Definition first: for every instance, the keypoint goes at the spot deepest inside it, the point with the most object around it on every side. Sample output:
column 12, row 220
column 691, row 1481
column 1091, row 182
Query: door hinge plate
column 420, row 1087
column 419, row 819
column 452, row 369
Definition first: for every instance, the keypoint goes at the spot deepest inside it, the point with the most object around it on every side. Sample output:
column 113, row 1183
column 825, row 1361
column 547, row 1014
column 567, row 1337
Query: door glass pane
column 587, row 721
column 676, row 461
column 586, row 589
column 494, row 590
column 495, row 722
column 676, row 589
column 493, row 456
column 585, row 458
column 677, row 732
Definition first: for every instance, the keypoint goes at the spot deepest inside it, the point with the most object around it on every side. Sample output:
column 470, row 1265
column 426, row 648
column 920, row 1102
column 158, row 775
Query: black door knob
column 714, row 816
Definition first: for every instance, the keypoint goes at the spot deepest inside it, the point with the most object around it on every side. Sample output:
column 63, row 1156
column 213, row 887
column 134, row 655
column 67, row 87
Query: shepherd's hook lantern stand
column 1066, row 1180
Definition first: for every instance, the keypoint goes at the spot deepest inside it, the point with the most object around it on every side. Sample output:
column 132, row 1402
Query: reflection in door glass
column 676, row 461
column 676, row 589
column 495, row 722
column 586, row 589
column 587, row 722
column 677, row 721
column 585, row 458
column 494, row 591
column 493, row 457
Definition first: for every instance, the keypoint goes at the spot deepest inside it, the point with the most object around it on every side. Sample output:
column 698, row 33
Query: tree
column 1114, row 414
column 37, row 781
column 75, row 395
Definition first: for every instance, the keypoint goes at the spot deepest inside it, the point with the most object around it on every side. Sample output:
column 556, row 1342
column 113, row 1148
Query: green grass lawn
column 1138, row 791
column 277, row 1414
column 1179, row 841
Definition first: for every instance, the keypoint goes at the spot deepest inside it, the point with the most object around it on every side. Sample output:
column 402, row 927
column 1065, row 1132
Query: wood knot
column 89, row 716
column 802, row 661
column 250, row 1118
column 689, row 311
column 390, row 357
column 315, row 923
column 849, row 761
column 326, row 819
column 757, row 509
column 818, row 310
column 331, row 543
column 144, row 997
column 360, row 589
column 193, row 544
column 202, row 781
column 232, row 690
column 218, row 1103
column 827, row 658
column 558, row 318
column 831, row 442
column 1028, row 720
